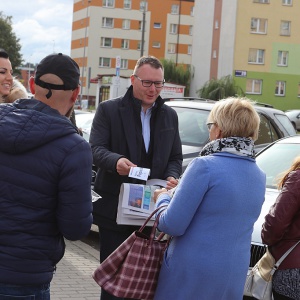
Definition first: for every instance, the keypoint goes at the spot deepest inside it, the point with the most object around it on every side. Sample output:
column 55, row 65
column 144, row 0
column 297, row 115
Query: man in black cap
column 45, row 180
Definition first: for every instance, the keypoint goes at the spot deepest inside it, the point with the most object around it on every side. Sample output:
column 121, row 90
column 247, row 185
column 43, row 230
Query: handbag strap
column 280, row 260
column 152, row 234
column 151, row 215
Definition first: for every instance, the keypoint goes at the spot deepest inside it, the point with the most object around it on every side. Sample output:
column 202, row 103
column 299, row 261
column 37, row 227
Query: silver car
column 294, row 116
column 192, row 116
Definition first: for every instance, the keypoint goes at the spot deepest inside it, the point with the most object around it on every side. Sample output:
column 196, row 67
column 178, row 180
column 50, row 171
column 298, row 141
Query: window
column 190, row 123
column 175, row 9
column 280, row 88
column 287, row 2
column 285, row 28
column 192, row 11
column 261, row 1
column 141, row 25
column 139, row 45
column 173, row 28
column 267, row 132
column 127, row 4
column 256, row 56
column 125, row 44
column 253, row 86
column 191, row 30
column 171, row 48
column 107, row 22
column 157, row 25
column 143, row 5
column 259, row 25
column 126, row 24
column 106, row 42
column 108, row 3
column 282, row 58
column 104, row 62
column 124, row 64
column 189, row 49
column 156, row 44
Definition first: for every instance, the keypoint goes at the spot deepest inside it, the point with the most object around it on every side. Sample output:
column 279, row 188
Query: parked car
column 193, row 113
column 84, row 120
column 294, row 116
column 273, row 160
column 80, row 111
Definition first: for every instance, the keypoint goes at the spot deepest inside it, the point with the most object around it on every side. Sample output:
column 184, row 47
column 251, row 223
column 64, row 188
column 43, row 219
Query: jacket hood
column 29, row 123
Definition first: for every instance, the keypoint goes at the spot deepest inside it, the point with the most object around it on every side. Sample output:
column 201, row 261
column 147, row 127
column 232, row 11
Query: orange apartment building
column 107, row 38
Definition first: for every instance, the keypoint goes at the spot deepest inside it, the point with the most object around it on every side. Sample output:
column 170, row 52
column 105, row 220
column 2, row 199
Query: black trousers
column 109, row 241
column 277, row 296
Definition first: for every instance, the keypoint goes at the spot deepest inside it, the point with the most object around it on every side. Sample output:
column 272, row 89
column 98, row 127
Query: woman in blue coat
column 213, row 210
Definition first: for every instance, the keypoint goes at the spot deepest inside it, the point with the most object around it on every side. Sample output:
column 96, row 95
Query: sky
column 43, row 26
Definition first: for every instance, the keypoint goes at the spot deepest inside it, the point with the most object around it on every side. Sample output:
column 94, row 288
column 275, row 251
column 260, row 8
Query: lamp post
column 84, row 46
column 143, row 28
column 177, row 45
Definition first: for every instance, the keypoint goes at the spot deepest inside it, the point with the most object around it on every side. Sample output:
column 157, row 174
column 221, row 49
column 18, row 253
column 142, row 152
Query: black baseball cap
column 62, row 66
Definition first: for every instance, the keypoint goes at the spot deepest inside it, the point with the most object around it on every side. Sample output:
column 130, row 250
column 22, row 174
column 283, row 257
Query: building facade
column 107, row 37
column 256, row 41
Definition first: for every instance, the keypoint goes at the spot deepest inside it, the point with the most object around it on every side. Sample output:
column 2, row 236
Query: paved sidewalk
column 73, row 279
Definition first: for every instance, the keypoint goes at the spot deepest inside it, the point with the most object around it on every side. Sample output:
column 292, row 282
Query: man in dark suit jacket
column 137, row 129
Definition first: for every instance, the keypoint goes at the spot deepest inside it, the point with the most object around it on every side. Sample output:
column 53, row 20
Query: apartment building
column 256, row 41
column 107, row 38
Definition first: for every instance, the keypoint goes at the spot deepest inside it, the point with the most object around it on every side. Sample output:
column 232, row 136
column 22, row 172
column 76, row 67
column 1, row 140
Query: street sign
column 240, row 73
column 118, row 62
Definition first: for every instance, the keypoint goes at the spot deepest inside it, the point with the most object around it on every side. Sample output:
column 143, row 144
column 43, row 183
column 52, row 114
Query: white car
column 84, row 122
column 273, row 160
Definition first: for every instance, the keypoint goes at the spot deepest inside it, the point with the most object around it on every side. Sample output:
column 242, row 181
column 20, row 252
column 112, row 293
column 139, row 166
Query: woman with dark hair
column 17, row 91
column 11, row 89
column 281, row 230
column 6, row 77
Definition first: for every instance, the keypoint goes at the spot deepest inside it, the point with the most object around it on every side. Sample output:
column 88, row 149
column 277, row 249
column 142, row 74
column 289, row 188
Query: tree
column 178, row 74
column 9, row 42
column 216, row 89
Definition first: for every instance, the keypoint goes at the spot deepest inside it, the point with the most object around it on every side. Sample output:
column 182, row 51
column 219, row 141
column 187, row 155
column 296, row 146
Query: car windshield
column 192, row 126
column 275, row 160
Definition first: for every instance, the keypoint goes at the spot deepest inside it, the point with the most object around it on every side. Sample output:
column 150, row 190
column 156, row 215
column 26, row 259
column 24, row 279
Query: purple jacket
column 281, row 229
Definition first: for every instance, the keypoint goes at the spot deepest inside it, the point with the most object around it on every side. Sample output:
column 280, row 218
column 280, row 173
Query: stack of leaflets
column 136, row 202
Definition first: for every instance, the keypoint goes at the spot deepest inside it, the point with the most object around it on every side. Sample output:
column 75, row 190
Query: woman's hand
column 158, row 192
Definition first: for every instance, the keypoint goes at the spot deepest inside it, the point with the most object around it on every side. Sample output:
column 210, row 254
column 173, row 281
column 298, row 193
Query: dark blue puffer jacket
column 45, row 193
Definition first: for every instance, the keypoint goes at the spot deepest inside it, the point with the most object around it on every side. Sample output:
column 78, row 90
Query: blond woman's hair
column 236, row 117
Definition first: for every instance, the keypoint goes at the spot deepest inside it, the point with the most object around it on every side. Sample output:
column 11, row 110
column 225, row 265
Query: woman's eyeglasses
column 209, row 125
